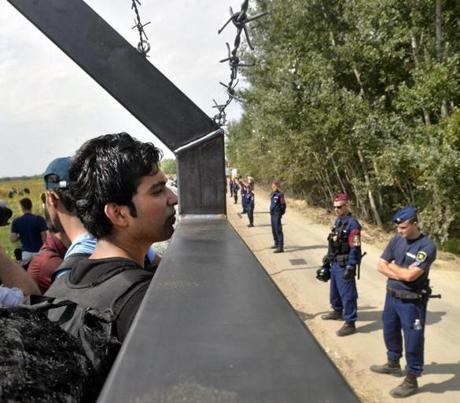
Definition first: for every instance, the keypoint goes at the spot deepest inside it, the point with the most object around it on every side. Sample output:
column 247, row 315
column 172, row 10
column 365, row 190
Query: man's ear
column 118, row 215
column 52, row 198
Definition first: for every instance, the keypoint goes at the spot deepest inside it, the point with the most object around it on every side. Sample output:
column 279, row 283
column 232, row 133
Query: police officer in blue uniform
column 249, row 202
column 230, row 186
column 244, row 191
column 343, row 256
column 406, row 263
column 235, row 190
column 277, row 210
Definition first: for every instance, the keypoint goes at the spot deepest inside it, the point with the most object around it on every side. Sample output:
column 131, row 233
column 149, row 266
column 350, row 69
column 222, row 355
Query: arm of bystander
column 13, row 275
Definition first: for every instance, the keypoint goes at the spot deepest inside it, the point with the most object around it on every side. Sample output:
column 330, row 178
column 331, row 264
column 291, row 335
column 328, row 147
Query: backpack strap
column 67, row 264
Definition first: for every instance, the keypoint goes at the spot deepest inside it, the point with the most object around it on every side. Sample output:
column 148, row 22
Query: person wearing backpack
column 121, row 197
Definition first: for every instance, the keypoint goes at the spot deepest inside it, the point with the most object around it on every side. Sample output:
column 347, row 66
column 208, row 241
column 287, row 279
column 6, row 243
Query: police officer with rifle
column 340, row 264
column 406, row 263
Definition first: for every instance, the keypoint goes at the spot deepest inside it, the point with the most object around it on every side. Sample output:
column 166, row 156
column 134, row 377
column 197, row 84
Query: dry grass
column 36, row 187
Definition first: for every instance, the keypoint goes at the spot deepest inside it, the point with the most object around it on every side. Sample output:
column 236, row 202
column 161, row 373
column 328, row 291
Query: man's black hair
column 65, row 197
column 26, row 203
column 108, row 169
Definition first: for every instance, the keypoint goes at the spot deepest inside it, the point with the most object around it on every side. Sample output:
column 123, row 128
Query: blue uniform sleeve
column 388, row 254
column 425, row 256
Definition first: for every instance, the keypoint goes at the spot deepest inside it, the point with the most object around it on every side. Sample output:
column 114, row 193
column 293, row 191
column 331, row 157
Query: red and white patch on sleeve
column 354, row 239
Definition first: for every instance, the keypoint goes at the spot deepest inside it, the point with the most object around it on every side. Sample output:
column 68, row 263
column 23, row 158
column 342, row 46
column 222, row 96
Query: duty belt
column 405, row 294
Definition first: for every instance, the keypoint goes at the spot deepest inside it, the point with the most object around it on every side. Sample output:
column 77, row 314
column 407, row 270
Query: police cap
column 404, row 214
column 341, row 197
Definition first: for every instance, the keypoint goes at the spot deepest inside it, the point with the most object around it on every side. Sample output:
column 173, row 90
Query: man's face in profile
column 407, row 229
column 154, row 203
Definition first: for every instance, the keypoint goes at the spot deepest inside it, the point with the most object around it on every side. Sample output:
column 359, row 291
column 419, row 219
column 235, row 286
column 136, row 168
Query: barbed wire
column 143, row 46
column 239, row 19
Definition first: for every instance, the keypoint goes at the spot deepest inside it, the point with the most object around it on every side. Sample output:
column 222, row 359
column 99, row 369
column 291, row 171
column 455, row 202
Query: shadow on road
column 375, row 317
column 452, row 384
column 308, row 316
column 309, row 247
column 294, row 269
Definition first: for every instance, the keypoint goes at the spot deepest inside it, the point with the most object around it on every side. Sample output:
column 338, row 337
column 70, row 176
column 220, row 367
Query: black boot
column 347, row 329
column 333, row 315
column 407, row 388
column 389, row 368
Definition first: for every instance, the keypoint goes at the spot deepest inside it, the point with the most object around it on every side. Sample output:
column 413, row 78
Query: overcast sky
column 49, row 106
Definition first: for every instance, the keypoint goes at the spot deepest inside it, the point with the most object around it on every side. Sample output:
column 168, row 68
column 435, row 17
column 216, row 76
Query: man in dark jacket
column 122, row 199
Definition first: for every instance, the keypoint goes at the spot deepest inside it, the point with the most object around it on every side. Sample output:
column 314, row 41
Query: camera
column 5, row 214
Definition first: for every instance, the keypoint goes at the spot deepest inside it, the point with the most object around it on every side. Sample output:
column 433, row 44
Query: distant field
column 36, row 187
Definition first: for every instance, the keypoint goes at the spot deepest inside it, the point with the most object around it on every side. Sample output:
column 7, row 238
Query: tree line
column 359, row 96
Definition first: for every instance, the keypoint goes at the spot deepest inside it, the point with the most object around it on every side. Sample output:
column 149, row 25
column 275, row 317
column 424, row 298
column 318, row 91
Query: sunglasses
column 339, row 207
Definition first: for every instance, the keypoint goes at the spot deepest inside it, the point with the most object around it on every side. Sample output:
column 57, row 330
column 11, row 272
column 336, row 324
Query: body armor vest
column 338, row 240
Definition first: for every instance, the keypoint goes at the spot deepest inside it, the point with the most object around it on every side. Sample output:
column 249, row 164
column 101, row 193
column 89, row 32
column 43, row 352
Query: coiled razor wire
column 239, row 19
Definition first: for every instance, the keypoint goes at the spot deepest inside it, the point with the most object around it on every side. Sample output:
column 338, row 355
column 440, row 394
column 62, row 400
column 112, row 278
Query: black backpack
column 40, row 361
column 79, row 323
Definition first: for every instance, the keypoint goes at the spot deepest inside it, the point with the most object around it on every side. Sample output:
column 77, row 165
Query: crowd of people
column 105, row 207
column 405, row 262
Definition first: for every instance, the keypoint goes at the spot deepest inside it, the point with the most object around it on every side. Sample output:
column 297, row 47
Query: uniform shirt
column 404, row 252
column 350, row 232
column 277, row 203
column 244, row 191
column 30, row 228
column 249, row 199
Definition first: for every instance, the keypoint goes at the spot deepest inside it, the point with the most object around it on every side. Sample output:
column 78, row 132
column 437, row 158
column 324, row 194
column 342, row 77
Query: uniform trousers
column 250, row 212
column 408, row 317
column 343, row 294
column 243, row 204
column 277, row 230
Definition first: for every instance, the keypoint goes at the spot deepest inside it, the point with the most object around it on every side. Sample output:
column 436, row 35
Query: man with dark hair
column 406, row 263
column 121, row 197
column 30, row 229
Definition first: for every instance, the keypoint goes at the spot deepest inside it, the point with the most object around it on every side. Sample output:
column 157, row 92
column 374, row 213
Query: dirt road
column 294, row 273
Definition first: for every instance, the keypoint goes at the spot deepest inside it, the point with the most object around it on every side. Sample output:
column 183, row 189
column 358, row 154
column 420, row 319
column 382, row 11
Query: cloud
column 49, row 106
